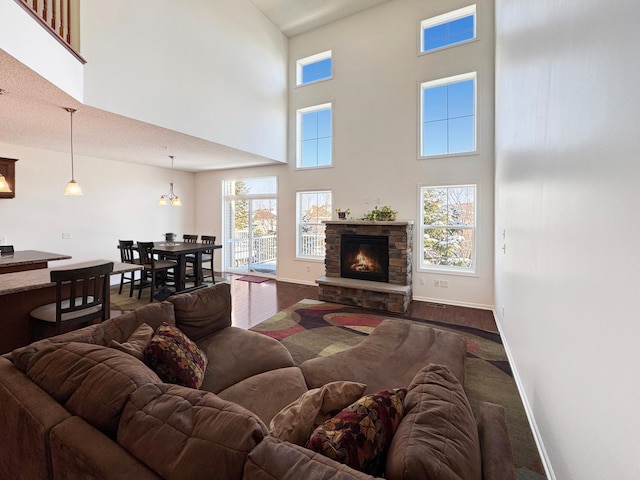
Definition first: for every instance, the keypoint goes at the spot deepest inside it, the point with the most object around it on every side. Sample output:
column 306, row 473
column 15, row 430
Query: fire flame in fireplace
column 364, row 264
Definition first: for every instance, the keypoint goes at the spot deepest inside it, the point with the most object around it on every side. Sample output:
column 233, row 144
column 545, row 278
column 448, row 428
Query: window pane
column 324, row 123
column 324, row 69
column 312, row 208
column 434, row 138
column 436, row 33
column 461, row 135
column 435, row 103
column 314, row 68
column 309, row 125
column 460, row 25
column 448, row 226
column 460, row 99
column 324, row 152
column 310, row 153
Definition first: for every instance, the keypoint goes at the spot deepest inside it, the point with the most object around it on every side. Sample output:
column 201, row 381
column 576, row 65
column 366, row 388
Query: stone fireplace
column 368, row 264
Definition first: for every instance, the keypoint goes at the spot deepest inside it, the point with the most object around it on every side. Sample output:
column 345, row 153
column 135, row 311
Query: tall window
column 448, row 225
column 312, row 208
column 314, row 136
column 448, row 29
column 448, row 115
column 314, row 68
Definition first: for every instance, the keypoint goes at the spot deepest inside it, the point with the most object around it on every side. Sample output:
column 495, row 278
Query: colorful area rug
column 312, row 328
column 252, row 279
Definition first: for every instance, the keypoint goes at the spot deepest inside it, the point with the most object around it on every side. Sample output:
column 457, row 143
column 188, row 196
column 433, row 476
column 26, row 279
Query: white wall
column 375, row 95
column 567, row 143
column 27, row 41
column 119, row 202
column 214, row 69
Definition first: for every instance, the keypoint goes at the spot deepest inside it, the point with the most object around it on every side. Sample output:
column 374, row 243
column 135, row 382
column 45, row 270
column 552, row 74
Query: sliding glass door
column 251, row 226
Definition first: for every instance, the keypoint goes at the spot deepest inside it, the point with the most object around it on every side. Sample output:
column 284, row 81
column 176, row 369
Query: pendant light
column 171, row 197
column 72, row 187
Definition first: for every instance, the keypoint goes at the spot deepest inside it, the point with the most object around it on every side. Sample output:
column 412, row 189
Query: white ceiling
column 32, row 111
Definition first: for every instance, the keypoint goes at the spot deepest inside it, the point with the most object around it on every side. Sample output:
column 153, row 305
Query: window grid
column 448, row 116
column 313, row 208
column 449, row 29
column 314, row 133
column 448, row 224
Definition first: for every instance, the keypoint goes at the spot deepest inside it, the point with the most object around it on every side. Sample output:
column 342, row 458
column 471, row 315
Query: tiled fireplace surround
column 393, row 296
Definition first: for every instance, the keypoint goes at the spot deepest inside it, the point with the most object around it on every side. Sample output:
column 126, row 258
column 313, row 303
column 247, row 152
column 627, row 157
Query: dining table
column 23, row 260
column 180, row 251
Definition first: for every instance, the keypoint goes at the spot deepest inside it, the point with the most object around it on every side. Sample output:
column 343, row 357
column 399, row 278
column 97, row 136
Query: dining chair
column 156, row 272
column 127, row 255
column 207, row 257
column 82, row 296
column 6, row 250
column 187, row 238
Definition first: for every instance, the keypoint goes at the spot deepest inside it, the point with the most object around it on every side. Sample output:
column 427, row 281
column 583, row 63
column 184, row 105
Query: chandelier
column 171, row 196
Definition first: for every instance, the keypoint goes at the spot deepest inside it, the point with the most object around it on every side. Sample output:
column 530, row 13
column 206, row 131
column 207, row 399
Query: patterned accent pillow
column 359, row 435
column 175, row 358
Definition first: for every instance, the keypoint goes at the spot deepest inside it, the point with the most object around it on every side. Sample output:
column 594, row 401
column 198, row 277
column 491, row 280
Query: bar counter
column 22, row 260
column 21, row 292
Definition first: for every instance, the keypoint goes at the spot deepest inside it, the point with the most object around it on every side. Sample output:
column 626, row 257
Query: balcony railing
column 58, row 17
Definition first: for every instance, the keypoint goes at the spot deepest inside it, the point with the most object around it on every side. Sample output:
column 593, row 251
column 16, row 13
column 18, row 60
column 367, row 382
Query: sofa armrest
column 495, row 446
column 273, row 459
column 80, row 451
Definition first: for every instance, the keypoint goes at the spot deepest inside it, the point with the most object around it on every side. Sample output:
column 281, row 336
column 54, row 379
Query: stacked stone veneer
column 393, row 296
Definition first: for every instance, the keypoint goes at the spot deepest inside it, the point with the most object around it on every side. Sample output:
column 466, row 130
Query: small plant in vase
column 381, row 214
column 343, row 214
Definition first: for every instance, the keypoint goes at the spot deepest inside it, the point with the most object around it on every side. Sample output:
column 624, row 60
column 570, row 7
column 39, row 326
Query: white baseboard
column 455, row 303
column 546, row 462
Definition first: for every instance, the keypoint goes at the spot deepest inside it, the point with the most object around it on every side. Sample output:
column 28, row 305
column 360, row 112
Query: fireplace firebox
column 364, row 257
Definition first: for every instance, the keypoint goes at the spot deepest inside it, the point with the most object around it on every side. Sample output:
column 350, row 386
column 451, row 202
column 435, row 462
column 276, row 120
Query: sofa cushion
column 266, row 393
column 438, row 437
column 360, row 435
column 118, row 328
column 136, row 343
column 236, row 354
column 204, row 311
column 175, row 358
column 295, row 422
column 90, row 381
column 185, row 434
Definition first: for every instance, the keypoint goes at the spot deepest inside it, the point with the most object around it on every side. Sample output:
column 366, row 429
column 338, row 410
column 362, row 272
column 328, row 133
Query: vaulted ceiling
column 26, row 116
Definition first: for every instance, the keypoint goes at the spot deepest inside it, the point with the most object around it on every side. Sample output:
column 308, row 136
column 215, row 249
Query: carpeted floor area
column 312, row 328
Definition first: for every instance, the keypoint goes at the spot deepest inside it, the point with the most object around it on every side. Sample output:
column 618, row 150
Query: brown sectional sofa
column 74, row 408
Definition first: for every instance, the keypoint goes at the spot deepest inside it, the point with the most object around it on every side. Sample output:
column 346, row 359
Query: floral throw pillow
column 360, row 435
column 175, row 357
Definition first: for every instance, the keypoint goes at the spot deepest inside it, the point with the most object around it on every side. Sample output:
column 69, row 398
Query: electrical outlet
column 421, row 280
column 308, row 268
column 3, row 239
column 66, row 235
column 444, row 283
column 436, row 283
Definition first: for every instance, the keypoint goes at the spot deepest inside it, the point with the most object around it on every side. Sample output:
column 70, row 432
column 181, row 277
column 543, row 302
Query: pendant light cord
column 71, row 111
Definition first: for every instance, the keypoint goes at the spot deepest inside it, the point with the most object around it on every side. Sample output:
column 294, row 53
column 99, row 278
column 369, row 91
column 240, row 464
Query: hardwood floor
column 253, row 303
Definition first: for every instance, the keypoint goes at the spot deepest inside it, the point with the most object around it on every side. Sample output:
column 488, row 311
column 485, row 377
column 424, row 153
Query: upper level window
column 448, row 115
column 448, row 29
column 314, row 68
column 313, row 208
column 447, row 225
column 314, row 136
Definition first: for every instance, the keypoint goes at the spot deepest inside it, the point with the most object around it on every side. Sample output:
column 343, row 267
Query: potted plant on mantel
column 382, row 214
column 342, row 214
